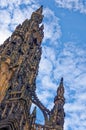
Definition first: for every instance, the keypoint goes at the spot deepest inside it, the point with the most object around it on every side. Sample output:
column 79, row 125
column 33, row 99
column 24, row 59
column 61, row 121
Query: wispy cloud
column 73, row 5
column 52, row 29
column 12, row 13
column 16, row 3
column 71, row 65
column 68, row 61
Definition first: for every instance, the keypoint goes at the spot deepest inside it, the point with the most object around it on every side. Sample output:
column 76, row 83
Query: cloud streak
column 76, row 5
column 12, row 13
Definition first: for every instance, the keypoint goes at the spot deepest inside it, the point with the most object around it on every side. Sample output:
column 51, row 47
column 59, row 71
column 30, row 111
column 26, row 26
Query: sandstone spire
column 57, row 113
column 20, row 55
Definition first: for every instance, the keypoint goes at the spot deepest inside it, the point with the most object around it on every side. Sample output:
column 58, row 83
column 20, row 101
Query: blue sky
column 63, row 51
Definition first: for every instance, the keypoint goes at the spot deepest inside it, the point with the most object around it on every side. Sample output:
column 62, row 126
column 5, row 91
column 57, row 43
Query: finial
column 40, row 10
column 61, row 82
column 60, row 90
column 37, row 15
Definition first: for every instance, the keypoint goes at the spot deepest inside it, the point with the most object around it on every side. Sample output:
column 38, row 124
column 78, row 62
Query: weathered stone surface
column 20, row 55
column 57, row 113
column 19, row 61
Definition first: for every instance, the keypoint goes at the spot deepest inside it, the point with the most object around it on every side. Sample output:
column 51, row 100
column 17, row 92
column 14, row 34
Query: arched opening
column 39, row 114
column 40, row 117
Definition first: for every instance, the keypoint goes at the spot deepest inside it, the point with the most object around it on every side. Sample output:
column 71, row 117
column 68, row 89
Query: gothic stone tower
column 19, row 61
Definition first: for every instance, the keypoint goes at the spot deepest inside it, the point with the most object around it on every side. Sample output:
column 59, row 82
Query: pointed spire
column 60, row 90
column 58, row 110
column 61, row 82
column 37, row 15
column 40, row 10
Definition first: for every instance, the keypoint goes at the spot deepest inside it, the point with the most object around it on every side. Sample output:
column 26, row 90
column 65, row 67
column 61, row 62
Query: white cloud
column 47, row 82
column 11, row 15
column 44, row 96
column 71, row 65
column 72, row 4
column 52, row 29
column 4, row 17
column 5, row 35
column 70, row 108
column 4, row 25
column 45, row 66
column 16, row 3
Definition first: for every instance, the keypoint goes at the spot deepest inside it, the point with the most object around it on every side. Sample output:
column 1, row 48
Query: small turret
column 60, row 91
column 57, row 113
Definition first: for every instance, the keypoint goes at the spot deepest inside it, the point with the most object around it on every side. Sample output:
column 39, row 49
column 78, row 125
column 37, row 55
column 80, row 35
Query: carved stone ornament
column 20, row 55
